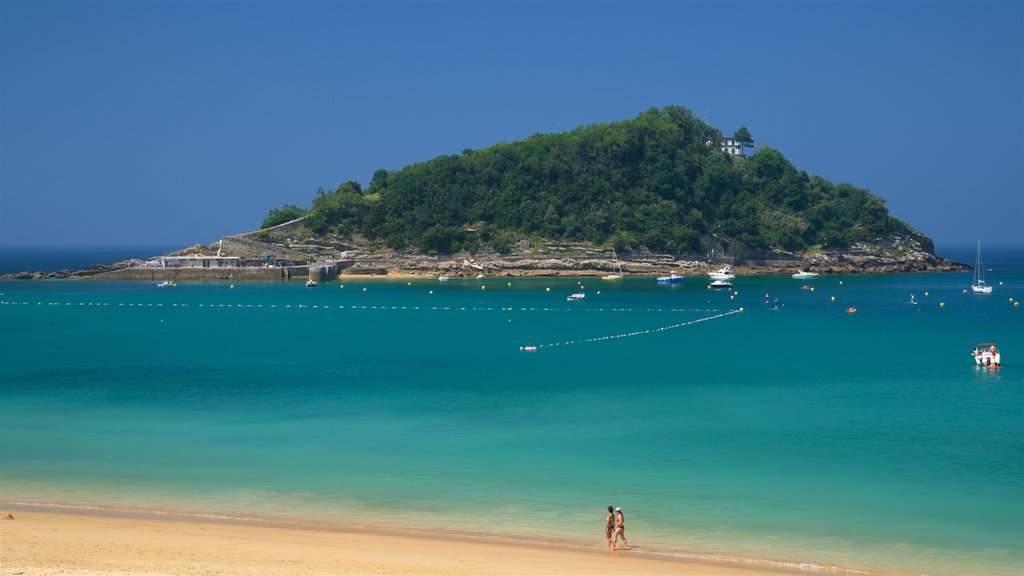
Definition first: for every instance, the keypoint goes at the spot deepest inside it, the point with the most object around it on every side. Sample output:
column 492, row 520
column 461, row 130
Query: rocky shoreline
column 542, row 264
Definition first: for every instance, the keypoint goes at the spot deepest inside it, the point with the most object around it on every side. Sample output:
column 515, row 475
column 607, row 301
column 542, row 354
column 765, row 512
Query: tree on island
column 743, row 137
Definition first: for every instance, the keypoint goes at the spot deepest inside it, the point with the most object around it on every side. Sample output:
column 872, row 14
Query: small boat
column 721, row 285
column 310, row 283
column 442, row 278
column 723, row 273
column 672, row 278
column 986, row 354
column 479, row 276
column 166, row 284
column 576, row 296
column 978, row 285
column 806, row 287
column 851, row 310
column 529, row 348
column 801, row 275
column 618, row 269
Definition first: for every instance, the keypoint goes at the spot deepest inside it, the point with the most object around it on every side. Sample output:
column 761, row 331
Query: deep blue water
column 807, row 434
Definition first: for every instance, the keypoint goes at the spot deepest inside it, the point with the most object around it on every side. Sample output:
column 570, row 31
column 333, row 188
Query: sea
column 802, row 435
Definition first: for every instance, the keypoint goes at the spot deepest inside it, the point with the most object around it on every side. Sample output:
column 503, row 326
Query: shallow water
column 804, row 434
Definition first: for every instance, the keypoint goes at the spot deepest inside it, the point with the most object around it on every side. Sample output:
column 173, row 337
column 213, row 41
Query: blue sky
column 148, row 123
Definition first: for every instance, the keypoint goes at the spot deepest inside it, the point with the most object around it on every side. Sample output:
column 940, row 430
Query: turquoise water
column 808, row 435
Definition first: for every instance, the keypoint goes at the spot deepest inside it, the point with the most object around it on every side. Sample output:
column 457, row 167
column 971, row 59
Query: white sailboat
column 618, row 269
column 978, row 285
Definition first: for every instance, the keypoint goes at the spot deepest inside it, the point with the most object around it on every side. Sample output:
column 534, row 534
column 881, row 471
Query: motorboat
column 310, row 283
column 978, row 285
column 672, row 278
column 721, row 285
column 479, row 276
column 801, row 275
column 986, row 354
column 851, row 310
column 442, row 278
column 529, row 348
column 166, row 284
column 723, row 273
column 576, row 296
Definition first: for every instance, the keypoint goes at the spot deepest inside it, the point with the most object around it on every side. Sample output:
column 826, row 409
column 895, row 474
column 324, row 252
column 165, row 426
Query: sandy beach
column 34, row 543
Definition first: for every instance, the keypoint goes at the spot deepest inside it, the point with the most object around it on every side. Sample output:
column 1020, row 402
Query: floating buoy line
column 536, row 347
column 355, row 307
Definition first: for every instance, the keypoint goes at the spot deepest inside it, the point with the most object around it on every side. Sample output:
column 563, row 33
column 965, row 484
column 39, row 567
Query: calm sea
column 799, row 435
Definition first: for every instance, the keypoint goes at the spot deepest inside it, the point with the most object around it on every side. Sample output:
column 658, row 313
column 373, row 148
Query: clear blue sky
column 126, row 123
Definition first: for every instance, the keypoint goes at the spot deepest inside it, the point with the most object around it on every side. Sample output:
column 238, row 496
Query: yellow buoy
column 1011, row 298
column 840, row 282
column 1016, row 304
column 483, row 287
column 965, row 291
column 509, row 284
column 925, row 293
column 364, row 289
column 942, row 304
column 833, row 298
column 341, row 286
column 547, row 289
column 741, row 309
column 430, row 292
column 582, row 286
column 599, row 292
column 408, row 283
column 812, row 288
column 232, row 285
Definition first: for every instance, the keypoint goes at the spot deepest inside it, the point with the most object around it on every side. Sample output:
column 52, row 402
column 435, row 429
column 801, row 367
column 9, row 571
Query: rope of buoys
column 360, row 307
column 534, row 347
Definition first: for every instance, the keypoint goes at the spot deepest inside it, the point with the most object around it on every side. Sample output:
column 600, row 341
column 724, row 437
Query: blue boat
column 672, row 278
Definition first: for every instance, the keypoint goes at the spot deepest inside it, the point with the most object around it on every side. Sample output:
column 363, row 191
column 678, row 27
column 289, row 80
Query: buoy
column 509, row 284
column 341, row 286
column 232, row 285
column 599, row 292
column 942, row 304
column 431, row 292
column 408, row 283
column 731, row 296
column 1016, row 304
column 833, row 298
column 483, row 287
column 741, row 309
column 1011, row 298
column 582, row 287
column 364, row 289
column 925, row 293
column 812, row 288
column 547, row 289
column 840, row 282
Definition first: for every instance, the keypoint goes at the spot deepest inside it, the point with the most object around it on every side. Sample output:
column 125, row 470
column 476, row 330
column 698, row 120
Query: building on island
column 200, row 261
column 730, row 146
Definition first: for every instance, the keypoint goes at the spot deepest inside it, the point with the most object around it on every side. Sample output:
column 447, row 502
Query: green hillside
column 647, row 183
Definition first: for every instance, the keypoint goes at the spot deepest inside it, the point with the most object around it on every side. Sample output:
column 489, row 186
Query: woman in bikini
column 620, row 530
column 609, row 526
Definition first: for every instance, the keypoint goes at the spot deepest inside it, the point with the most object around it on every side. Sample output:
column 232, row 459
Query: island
column 662, row 191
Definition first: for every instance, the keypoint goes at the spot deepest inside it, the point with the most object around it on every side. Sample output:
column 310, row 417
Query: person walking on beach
column 620, row 530
column 609, row 526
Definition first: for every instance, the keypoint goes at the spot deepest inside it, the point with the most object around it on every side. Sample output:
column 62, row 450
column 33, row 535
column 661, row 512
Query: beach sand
column 35, row 543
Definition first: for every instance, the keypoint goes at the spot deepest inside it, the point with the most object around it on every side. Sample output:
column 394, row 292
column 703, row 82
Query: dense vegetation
column 646, row 183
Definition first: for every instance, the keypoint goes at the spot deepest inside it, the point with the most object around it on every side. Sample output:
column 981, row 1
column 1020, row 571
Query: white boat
column 310, row 283
column 723, row 273
column 672, row 278
column 978, row 285
column 166, row 284
column 479, row 276
column 442, row 278
column 576, row 296
column 986, row 354
column 618, row 269
column 801, row 275
column 721, row 285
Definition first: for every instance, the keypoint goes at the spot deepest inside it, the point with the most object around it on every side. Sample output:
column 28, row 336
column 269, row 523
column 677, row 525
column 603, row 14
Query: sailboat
column 618, row 269
column 979, row 286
